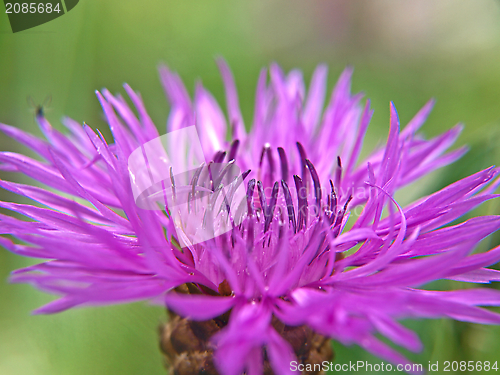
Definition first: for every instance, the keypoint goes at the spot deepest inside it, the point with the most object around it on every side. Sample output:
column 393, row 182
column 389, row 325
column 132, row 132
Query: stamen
column 281, row 232
column 289, row 205
column 245, row 174
column 194, row 182
column 338, row 174
column 261, row 160
column 250, row 190
column 234, row 149
column 262, row 196
column 207, row 221
column 333, row 202
column 215, row 196
column 317, row 185
column 222, row 173
column 173, row 182
column 210, row 176
column 303, row 156
column 340, row 217
column 272, row 204
column 250, row 235
column 347, row 202
column 266, row 150
column 219, row 156
column 302, row 206
column 227, row 207
column 284, row 164
column 270, row 159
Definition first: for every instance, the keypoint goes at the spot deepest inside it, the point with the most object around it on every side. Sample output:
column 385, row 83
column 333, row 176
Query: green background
column 403, row 51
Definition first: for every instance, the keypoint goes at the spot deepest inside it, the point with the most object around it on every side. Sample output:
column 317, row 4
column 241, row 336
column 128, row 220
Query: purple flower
column 323, row 249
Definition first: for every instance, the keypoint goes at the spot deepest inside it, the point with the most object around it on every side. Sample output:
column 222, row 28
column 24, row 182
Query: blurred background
column 402, row 51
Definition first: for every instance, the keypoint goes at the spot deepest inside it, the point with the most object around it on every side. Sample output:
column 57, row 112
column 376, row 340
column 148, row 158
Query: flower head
column 316, row 247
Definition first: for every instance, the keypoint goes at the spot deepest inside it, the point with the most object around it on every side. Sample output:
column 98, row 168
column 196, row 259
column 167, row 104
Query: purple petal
column 199, row 307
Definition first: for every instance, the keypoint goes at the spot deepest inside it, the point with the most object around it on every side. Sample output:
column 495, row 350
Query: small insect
column 39, row 109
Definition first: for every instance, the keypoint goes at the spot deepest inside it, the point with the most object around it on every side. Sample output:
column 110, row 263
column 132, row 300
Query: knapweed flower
column 320, row 250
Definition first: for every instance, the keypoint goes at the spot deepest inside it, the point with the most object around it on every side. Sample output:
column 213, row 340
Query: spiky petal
column 286, row 263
